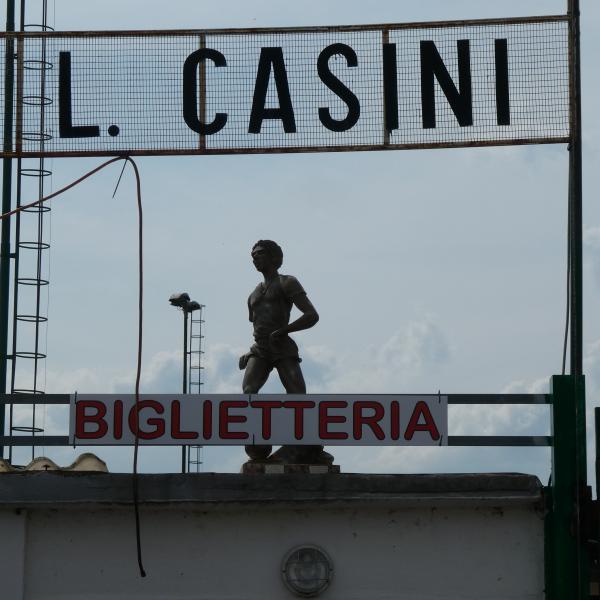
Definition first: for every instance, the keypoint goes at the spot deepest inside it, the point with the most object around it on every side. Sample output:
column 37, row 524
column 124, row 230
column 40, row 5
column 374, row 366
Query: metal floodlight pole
column 9, row 73
column 188, row 306
column 185, row 357
column 185, row 350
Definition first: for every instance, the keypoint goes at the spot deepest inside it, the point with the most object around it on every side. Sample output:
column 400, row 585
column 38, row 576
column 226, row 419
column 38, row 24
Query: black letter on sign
column 65, row 115
column 502, row 89
column 190, row 97
column 272, row 57
column 338, row 88
column 390, row 86
column 432, row 67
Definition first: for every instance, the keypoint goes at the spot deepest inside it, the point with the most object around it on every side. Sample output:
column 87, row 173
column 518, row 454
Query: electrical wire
column 23, row 207
column 138, row 366
column 135, row 482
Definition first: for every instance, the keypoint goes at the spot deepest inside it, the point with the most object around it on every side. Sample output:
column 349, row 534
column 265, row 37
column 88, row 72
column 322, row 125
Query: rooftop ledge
column 55, row 489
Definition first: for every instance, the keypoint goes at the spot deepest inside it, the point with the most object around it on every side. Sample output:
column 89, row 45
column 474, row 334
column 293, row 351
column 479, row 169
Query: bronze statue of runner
column 269, row 307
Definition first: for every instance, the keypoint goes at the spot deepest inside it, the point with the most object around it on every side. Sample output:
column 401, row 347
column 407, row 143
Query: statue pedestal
column 256, row 467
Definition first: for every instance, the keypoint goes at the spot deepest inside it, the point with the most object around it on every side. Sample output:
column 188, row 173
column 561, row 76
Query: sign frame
column 17, row 150
column 273, row 419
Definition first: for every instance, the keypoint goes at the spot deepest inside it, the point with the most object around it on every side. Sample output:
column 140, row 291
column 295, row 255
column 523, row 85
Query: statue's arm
column 250, row 313
column 306, row 320
column 309, row 316
column 245, row 357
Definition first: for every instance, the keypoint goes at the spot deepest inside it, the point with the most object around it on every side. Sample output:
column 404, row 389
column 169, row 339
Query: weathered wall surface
column 485, row 545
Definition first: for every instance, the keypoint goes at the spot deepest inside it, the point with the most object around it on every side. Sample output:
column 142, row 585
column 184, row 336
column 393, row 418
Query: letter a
column 272, row 57
column 422, row 410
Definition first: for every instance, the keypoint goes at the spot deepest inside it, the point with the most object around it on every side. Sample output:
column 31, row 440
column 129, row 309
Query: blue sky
column 431, row 270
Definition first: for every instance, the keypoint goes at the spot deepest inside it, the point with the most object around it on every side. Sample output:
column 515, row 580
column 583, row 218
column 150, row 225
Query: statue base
column 256, row 467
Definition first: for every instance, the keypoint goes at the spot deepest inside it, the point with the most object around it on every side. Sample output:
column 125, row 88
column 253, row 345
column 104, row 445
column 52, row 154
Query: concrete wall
column 405, row 549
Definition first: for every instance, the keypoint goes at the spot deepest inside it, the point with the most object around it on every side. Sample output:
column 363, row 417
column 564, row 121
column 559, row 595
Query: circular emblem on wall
column 307, row 570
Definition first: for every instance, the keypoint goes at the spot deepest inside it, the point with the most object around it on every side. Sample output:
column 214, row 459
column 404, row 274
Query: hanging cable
column 63, row 189
column 138, row 367
column 140, row 322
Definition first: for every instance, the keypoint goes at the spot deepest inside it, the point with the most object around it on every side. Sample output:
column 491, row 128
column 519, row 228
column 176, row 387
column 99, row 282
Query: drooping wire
column 140, row 322
column 138, row 367
column 120, row 176
column 63, row 189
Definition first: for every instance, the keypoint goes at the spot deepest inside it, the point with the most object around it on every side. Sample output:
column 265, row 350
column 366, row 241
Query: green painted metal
column 597, row 447
column 575, row 192
column 9, row 70
column 567, row 560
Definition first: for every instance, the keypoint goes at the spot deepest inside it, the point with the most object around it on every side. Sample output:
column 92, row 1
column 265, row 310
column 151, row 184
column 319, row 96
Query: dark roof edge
column 39, row 489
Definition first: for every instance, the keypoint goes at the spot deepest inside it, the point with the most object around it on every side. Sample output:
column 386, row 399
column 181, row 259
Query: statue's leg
column 291, row 376
column 255, row 376
column 292, row 379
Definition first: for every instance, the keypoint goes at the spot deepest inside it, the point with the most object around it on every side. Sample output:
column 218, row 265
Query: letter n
column 432, row 68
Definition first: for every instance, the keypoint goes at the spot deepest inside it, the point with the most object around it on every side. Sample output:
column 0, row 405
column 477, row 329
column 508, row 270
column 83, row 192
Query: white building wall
column 234, row 552
column 12, row 554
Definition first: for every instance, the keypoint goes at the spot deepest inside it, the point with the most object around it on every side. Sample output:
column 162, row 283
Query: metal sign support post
column 9, row 71
column 567, row 560
column 575, row 191
column 567, row 555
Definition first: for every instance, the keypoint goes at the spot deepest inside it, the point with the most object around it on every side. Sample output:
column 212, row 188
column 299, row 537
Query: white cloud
column 87, row 379
column 163, row 373
column 537, row 386
column 422, row 346
column 221, row 372
column 406, row 358
column 591, row 245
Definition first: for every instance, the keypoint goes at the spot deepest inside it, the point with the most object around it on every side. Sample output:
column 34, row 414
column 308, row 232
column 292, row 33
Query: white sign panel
column 241, row 419
column 362, row 87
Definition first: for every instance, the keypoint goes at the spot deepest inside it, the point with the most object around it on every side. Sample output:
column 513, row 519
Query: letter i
column 395, row 420
column 207, row 420
column 118, row 419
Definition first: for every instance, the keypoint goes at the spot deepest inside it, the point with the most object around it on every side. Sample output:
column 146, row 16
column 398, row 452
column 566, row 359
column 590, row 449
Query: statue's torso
column 270, row 304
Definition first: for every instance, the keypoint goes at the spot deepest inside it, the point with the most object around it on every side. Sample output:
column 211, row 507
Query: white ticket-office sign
column 242, row 419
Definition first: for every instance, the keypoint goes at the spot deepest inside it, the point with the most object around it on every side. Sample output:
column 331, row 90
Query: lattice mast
column 31, row 261
column 195, row 378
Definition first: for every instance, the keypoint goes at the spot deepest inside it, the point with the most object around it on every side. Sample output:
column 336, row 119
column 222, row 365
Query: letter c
column 190, row 95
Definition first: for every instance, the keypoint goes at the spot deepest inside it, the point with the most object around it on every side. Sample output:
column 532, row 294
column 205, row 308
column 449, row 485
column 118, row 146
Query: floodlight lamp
column 307, row 571
column 180, row 300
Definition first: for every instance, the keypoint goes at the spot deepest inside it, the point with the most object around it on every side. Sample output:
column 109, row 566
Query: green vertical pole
column 597, row 448
column 567, row 560
column 575, row 191
column 9, row 72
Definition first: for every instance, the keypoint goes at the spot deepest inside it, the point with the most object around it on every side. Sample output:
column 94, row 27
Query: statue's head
column 272, row 249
